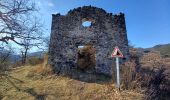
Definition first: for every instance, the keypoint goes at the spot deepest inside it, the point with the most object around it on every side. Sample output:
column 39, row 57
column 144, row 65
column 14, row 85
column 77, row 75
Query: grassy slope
column 163, row 49
column 21, row 84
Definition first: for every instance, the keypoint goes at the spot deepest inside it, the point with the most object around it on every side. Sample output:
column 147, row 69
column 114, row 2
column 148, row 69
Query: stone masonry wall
column 67, row 33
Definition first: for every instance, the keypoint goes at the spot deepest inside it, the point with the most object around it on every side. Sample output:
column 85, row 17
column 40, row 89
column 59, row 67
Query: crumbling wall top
column 87, row 9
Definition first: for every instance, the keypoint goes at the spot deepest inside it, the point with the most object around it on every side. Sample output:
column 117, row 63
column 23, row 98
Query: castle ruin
column 105, row 32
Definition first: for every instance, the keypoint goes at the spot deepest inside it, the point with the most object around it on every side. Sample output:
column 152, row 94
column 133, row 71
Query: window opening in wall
column 87, row 23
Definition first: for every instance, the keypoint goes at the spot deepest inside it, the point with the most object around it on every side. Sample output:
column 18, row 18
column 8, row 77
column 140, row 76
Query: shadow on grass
column 1, row 97
column 33, row 93
column 16, row 79
column 30, row 91
column 87, row 76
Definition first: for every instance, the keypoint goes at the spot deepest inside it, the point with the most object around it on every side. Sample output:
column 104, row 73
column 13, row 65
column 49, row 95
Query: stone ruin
column 105, row 32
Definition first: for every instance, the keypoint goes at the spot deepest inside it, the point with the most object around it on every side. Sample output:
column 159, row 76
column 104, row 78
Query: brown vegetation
column 86, row 57
column 149, row 72
column 152, row 75
column 37, row 82
column 41, row 67
column 142, row 77
column 61, row 88
column 130, row 72
column 29, row 61
column 156, row 70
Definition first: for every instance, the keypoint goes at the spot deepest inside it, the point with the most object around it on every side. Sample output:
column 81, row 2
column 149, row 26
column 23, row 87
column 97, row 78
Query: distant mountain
column 158, row 47
column 164, row 49
column 16, row 57
column 37, row 54
column 12, row 57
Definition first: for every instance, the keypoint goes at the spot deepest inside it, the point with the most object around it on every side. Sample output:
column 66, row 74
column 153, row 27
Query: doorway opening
column 86, row 57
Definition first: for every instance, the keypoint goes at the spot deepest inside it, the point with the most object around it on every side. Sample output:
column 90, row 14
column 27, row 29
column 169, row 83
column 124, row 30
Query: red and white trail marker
column 117, row 54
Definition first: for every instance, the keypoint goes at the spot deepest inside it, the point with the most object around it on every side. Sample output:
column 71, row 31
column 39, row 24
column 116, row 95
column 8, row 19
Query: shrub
column 129, row 75
column 30, row 61
column 41, row 69
column 4, row 65
column 158, row 86
column 155, row 76
column 130, row 71
column 17, row 64
column 34, row 61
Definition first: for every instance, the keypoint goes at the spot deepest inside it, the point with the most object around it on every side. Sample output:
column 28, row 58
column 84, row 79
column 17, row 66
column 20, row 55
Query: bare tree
column 14, row 15
column 46, row 41
column 24, row 51
column 5, row 57
column 30, row 43
column 18, row 23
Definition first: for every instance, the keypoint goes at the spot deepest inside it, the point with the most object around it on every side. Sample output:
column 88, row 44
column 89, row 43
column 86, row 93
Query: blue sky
column 147, row 21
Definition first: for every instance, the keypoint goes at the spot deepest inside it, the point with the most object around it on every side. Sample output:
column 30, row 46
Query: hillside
column 23, row 84
column 16, row 57
column 163, row 49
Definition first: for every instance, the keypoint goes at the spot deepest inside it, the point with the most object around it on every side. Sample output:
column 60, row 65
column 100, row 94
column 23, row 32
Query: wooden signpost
column 117, row 54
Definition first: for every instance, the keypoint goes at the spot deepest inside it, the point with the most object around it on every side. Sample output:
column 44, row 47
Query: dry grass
column 41, row 69
column 155, row 74
column 21, row 87
column 129, row 75
column 39, row 83
column 149, row 60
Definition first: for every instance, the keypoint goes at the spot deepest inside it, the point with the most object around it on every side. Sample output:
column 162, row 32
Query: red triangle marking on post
column 116, row 52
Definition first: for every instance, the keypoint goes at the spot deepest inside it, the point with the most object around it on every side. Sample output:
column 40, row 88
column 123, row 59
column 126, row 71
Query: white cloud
column 39, row 3
column 55, row 12
column 50, row 4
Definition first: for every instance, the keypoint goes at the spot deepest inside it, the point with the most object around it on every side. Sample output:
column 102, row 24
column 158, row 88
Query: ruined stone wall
column 67, row 33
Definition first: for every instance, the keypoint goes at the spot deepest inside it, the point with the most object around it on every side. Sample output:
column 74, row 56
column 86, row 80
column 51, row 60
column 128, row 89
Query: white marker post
column 117, row 72
column 117, row 54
